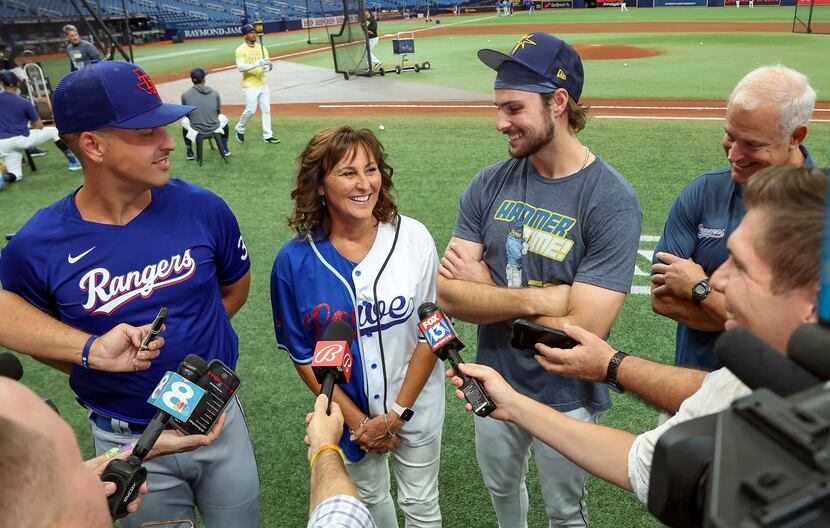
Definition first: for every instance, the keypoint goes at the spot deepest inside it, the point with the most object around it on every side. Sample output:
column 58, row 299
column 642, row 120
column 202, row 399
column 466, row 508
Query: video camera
column 764, row 462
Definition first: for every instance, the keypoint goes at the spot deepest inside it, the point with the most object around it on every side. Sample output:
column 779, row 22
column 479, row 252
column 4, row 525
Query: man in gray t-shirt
column 549, row 235
column 206, row 118
column 81, row 53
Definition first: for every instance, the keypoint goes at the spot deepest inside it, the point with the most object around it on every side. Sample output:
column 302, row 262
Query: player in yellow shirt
column 253, row 62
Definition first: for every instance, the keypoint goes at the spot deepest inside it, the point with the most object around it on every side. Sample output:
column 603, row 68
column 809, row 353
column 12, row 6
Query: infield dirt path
column 314, row 92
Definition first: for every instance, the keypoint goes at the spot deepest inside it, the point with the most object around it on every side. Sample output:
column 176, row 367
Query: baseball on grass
column 381, row 127
column 625, row 64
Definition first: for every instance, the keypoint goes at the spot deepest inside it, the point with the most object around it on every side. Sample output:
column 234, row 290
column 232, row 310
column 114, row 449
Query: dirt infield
column 611, row 51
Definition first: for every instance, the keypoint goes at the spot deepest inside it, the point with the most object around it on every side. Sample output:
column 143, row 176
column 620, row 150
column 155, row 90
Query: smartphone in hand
column 527, row 334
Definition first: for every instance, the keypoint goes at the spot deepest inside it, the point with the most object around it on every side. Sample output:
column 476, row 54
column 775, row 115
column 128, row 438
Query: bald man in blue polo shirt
column 767, row 119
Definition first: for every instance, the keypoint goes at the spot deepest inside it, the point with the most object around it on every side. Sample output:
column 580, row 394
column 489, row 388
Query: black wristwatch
column 611, row 373
column 404, row 412
column 701, row 290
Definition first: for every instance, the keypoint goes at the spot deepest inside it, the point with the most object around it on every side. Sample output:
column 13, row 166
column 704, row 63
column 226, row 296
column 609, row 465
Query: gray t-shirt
column 82, row 54
column 539, row 231
column 205, row 118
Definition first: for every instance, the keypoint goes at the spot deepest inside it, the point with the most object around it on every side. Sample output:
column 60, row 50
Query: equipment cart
column 404, row 45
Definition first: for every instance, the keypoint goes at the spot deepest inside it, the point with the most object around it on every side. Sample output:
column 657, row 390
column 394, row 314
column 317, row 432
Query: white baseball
column 381, row 127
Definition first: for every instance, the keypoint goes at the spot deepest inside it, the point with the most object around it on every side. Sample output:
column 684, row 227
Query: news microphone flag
column 176, row 395
column 332, row 359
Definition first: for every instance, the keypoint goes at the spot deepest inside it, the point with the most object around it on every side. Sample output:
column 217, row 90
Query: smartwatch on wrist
column 404, row 412
column 701, row 290
column 611, row 373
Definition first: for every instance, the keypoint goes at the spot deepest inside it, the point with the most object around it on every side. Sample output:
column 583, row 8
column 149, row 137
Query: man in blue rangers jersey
column 126, row 243
column 767, row 118
column 569, row 259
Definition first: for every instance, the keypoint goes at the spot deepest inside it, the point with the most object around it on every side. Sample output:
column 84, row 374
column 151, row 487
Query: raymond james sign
column 226, row 31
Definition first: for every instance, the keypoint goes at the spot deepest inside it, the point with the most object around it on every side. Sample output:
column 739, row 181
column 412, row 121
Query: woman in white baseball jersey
column 356, row 259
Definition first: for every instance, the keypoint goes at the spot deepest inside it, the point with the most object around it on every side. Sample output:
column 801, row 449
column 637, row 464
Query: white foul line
column 172, row 54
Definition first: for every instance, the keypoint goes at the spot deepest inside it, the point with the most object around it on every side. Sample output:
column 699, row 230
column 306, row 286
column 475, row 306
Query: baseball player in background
column 372, row 32
column 18, row 114
column 581, row 222
column 252, row 60
column 128, row 242
column 357, row 260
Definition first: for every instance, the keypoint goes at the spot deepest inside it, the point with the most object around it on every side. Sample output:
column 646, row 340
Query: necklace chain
column 585, row 161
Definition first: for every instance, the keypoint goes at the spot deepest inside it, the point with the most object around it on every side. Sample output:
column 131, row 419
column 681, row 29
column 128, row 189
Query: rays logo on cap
column 525, row 40
column 145, row 83
column 561, row 75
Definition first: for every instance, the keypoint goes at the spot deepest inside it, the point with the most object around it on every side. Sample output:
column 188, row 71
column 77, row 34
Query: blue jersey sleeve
column 21, row 272
column 288, row 325
column 469, row 220
column 232, row 259
column 680, row 232
column 31, row 112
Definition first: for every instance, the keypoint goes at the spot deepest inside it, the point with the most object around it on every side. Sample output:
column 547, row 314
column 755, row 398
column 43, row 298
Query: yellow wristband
column 323, row 448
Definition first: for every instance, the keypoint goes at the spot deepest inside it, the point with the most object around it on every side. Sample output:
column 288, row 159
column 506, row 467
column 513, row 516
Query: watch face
column 407, row 415
column 700, row 289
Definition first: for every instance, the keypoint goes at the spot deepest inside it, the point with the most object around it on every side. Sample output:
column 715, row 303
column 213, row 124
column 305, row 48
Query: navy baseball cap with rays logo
column 539, row 63
column 111, row 94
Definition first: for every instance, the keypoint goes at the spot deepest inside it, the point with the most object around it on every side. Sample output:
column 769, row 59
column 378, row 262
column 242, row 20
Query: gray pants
column 220, row 479
column 416, row 472
column 503, row 450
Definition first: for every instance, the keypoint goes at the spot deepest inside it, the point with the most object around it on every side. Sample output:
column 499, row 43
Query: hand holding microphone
column 128, row 474
column 445, row 343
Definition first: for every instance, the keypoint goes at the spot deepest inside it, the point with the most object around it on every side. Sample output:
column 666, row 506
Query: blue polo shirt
column 15, row 114
column 700, row 221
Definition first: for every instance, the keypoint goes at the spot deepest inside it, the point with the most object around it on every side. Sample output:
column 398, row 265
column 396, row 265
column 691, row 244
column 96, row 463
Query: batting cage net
column 321, row 20
column 350, row 47
column 812, row 16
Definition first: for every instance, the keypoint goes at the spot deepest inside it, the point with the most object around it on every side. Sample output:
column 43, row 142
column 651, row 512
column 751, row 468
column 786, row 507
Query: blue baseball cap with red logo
column 111, row 94
column 539, row 63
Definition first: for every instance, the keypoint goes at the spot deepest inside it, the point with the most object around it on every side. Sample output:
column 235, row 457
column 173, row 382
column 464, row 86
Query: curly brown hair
column 323, row 152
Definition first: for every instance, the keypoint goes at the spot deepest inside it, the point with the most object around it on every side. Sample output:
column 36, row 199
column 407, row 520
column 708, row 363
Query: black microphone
column 10, row 366
column 758, row 365
column 128, row 475
column 332, row 360
column 445, row 343
column 809, row 346
column 192, row 369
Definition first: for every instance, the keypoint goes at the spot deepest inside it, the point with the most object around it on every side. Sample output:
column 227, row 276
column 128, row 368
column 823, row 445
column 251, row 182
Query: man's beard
column 536, row 144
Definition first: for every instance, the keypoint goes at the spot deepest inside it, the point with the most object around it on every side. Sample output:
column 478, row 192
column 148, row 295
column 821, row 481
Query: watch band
column 404, row 412
column 704, row 285
column 611, row 373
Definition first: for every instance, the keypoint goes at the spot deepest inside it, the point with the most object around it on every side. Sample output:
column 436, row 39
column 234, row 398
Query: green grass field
column 434, row 159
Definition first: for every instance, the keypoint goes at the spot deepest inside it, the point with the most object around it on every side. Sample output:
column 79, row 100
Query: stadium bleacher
column 192, row 14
